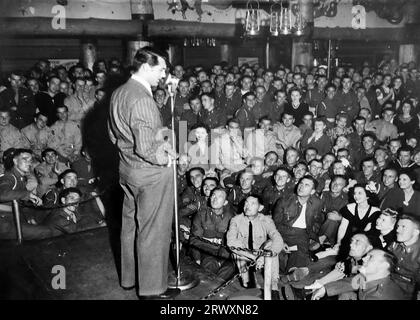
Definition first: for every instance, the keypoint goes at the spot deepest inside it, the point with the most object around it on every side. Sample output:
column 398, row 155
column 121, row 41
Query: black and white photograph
column 210, row 155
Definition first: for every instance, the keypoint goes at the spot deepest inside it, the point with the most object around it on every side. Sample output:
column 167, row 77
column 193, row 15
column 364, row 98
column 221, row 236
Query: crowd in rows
column 323, row 172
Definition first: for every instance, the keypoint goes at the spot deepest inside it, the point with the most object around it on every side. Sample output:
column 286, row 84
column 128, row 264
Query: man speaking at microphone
column 135, row 127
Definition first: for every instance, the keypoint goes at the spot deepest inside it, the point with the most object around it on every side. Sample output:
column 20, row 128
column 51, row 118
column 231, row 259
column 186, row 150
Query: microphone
column 172, row 83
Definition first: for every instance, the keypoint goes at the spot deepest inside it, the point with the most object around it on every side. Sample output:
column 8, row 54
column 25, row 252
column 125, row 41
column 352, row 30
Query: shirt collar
column 142, row 82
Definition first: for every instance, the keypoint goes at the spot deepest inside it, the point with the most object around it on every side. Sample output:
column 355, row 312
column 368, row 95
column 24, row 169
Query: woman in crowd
column 358, row 216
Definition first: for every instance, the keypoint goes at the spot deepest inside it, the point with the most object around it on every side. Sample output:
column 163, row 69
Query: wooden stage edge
column 31, row 271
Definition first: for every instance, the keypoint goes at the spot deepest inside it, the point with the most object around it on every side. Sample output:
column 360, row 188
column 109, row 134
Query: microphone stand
column 181, row 280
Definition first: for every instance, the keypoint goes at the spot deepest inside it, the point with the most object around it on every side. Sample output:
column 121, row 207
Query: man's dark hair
column 45, row 151
column 38, row 114
column 370, row 135
column 359, row 118
column 271, row 152
column 208, row 94
column 53, row 77
column 285, row 169
column 192, row 97
column 66, row 172
column 212, row 179
column 308, row 177
column 234, row 120
column 246, row 95
column 369, row 159
column 405, row 149
column 196, row 169
column 64, row 193
column 200, row 125
column 146, row 55
column 18, row 152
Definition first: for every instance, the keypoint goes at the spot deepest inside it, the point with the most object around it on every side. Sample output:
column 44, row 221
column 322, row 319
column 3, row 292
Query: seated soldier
column 66, row 219
column 84, row 169
column 315, row 170
column 262, row 140
column 261, row 182
column 210, row 224
column 253, row 230
column 67, row 136
column 10, row 136
column 374, row 281
column 368, row 173
column 271, row 163
column 291, row 158
column 282, row 188
column 48, row 171
column 38, row 135
column 299, row 218
column 360, row 245
column 13, row 187
column 310, row 154
column 407, row 251
column 184, row 161
column 238, row 194
column 191, row 199
column 404, row 159
column 332, row 202
column 299, row 171
column 384, row 233
column 92, row 205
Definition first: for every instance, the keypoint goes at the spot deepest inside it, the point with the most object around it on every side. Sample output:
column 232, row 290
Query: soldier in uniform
column 67, row 136
column 38, row 135
column 184, row 161
column 238, row 194
column 373, row 283
column 10, row 136
column 191, row 198
column 19, row 100
column 212, row 117
column 48, row 170
column 282, row 188
column 253, row 230
column 407, row 250
column 211, row 223
column 13, row 187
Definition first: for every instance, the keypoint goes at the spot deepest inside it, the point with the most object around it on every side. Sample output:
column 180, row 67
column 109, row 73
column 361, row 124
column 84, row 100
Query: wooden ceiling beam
column 42, row 26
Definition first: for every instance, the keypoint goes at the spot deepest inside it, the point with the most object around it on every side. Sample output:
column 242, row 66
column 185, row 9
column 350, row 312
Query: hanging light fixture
column 252, row 20
column 300, row 21
column 275, row 19
column 285, row 20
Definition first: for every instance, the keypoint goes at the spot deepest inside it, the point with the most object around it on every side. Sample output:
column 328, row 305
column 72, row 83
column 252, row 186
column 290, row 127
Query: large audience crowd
column 322, row 171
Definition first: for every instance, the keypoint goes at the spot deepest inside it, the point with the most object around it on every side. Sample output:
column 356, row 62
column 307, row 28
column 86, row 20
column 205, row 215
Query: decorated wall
column 77, row 9
column 327, row 13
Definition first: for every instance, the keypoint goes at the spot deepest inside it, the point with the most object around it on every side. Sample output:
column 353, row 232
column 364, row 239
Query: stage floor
column 26, row 271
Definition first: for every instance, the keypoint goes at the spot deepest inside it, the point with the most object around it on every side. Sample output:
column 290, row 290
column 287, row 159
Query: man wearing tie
column 254, row 230
column 135, row 127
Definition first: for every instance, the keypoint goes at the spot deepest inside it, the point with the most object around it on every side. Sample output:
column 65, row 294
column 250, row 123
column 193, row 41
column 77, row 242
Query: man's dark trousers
column 146, row 227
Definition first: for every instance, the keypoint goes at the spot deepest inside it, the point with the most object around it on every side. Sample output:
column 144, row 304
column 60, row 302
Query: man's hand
column 286, row 248
column 319, row 293
column 163, row 152
column 260, row 263
column 334, row 216
column 35, row 199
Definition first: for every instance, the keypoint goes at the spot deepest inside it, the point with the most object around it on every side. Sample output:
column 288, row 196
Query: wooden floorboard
column 91, row 273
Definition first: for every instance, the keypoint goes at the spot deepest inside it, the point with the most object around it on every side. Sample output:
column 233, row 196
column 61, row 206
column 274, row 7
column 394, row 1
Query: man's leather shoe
column 169, row 294
column 275, row 295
